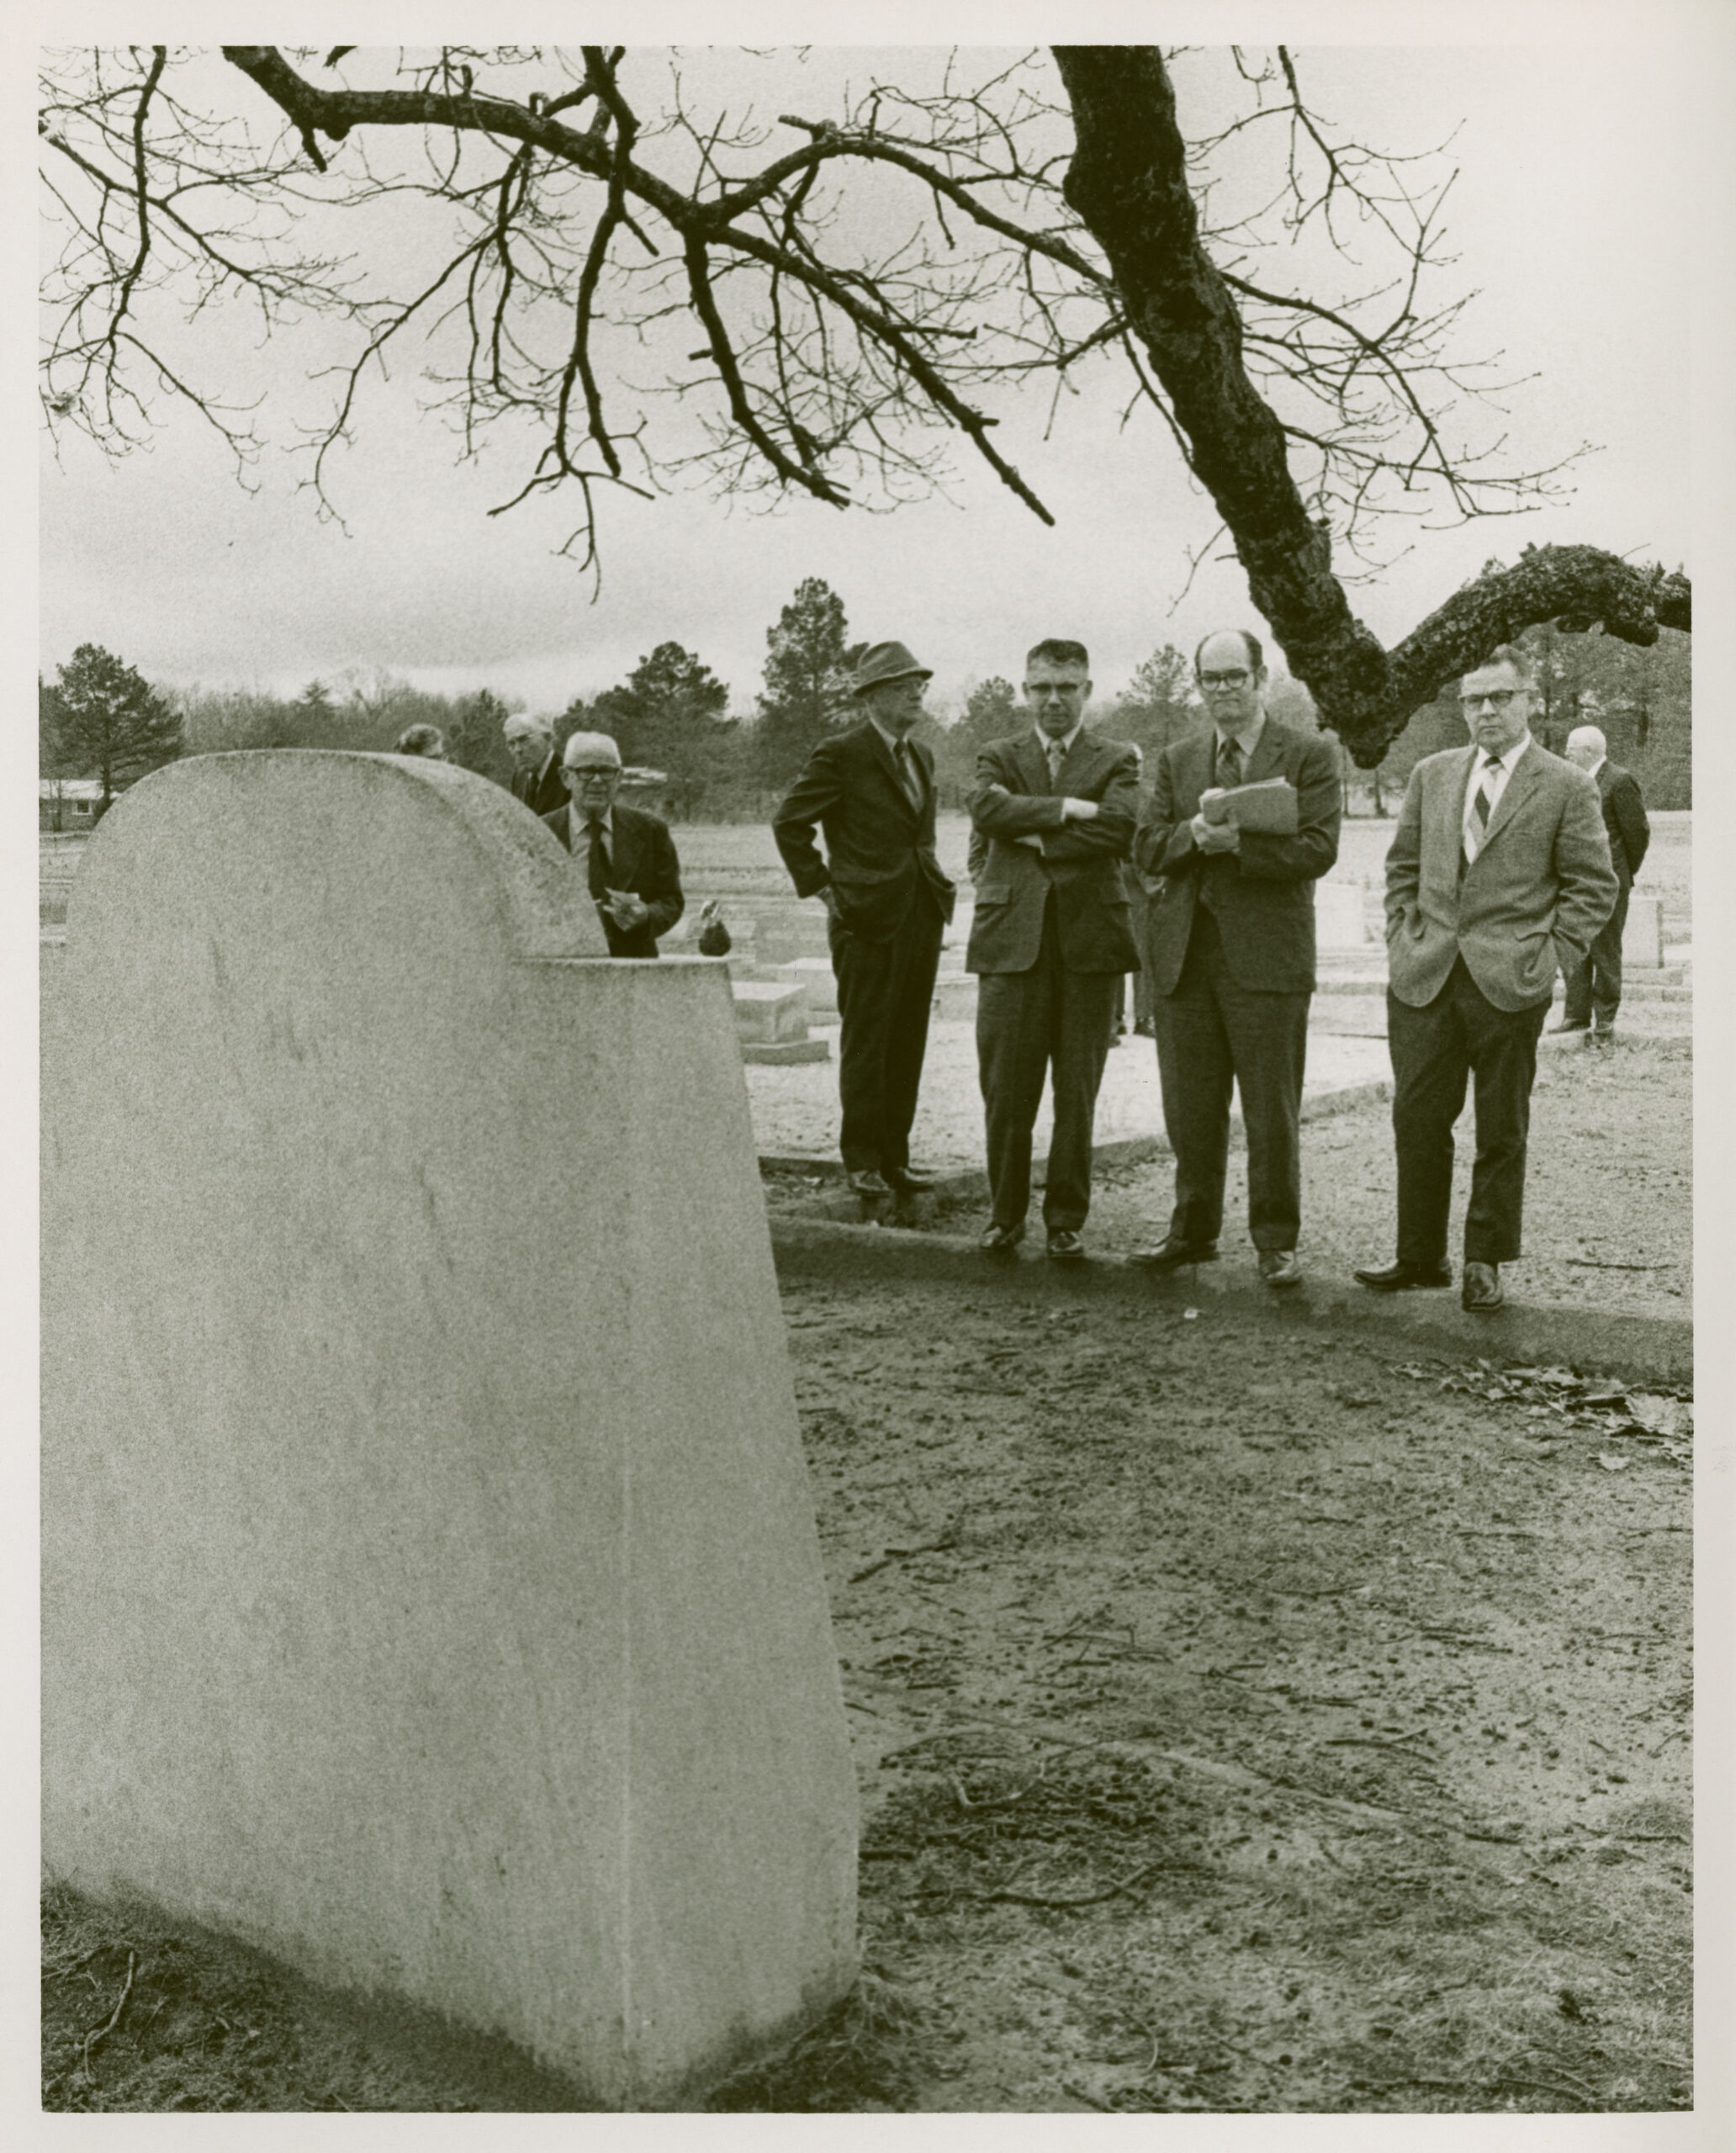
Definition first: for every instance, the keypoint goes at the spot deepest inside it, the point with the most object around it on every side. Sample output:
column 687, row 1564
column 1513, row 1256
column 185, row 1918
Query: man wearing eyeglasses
column 1230, row 946
column 1499, row 875
column 1055, row 807
column 628, row 856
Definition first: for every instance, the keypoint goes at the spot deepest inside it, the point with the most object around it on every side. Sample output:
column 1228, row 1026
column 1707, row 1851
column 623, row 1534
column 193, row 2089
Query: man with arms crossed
column 871, row 789
column 1594, row 987
column 1229, row 942
column 1050, row 940
column 1498, row 875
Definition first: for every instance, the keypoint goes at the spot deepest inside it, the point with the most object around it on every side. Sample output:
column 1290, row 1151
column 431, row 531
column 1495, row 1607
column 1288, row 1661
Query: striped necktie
column 1485, row 779
column 1228, row 763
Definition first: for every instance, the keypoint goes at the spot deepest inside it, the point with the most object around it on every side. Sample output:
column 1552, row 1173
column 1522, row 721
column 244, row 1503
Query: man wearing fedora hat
column 870, row 789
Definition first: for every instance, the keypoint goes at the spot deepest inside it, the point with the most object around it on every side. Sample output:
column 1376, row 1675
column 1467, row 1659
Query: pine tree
column 472, row 735
column 670, row 715
column 1159, row 704
column 109, row 723
column 992, row 713
column 806, row 682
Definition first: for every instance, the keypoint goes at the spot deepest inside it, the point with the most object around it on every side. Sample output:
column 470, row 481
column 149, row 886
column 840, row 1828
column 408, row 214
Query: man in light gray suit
column 1499, row 875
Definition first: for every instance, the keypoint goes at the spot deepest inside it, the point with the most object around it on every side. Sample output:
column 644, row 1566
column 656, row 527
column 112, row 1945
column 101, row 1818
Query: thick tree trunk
column 1127, row 181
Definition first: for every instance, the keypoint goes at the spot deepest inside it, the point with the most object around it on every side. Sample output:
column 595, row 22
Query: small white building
column 68, row 803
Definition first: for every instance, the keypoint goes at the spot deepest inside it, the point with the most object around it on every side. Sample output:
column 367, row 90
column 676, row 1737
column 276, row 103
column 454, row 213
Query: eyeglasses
column 1055, row 687
column 1497, row 698
column 591, row 769
column 1211, row 681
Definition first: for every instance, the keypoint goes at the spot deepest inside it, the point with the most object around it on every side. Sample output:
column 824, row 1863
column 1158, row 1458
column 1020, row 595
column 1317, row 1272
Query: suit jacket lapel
column 889, row 763
column 1453, row 803
column 1077, row 762
column 1527, row 774
column 1268, row 753
column 1032, row 766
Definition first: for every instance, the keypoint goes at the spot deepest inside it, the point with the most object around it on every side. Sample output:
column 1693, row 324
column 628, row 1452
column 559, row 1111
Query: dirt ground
column 1247, row 1719
column 1247, row 1722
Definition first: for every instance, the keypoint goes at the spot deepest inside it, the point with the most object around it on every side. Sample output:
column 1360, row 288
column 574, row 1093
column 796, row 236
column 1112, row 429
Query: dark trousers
column 1046, row 1022
column 885, row 992
column 1594, row 988
column 1434, row 1049
column 1212, row 1033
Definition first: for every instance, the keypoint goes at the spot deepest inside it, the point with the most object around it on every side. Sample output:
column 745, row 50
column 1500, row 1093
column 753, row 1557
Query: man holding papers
column 1244, row 820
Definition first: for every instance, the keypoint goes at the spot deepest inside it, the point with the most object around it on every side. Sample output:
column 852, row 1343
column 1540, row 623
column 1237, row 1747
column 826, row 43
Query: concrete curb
column 1638, row 1348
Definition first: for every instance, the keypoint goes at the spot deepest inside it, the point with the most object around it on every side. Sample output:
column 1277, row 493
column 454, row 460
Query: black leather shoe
column 1571, row 1024
column 1065, row 1245
column 1278, row 1266
column 1172, row 1252
column 1001, row 1240
column 1403, row 1277
column 1482, row 1292
column 867, row 1182
column 1603, row 1035
column 909, row 1181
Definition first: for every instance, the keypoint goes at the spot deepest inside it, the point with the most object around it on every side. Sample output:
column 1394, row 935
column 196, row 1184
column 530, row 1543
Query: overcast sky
column 1565, row 218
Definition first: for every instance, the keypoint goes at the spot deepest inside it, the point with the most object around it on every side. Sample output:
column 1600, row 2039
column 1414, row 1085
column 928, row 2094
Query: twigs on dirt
column 102, row 2033
column 948, row 1539
column 1090, row 1898
column 1576, row 2090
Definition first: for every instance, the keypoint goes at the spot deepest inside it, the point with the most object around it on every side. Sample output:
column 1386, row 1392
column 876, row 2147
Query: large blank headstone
column 432, row 1593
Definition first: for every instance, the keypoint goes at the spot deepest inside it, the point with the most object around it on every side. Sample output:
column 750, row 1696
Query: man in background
column 1050, row 942
column 535, row 770
column 629, row 856
column 870, row 789
column 1594, row 986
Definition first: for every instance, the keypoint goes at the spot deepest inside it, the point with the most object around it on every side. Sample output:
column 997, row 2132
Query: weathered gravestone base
column 431, row 1593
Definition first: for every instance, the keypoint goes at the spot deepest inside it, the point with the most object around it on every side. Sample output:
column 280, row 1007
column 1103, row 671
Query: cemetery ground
column 1249, row 1715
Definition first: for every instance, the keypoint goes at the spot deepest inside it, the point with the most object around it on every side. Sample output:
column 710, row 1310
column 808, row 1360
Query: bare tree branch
column 890, row 281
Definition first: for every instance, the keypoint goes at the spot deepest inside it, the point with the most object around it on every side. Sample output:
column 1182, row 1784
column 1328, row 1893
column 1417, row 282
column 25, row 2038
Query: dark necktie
column 1485, row 778
column 1228, row 764
column 598, row 863
column 907, row 776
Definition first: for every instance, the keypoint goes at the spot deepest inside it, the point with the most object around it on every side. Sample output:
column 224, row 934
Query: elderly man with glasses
column 628, row 856
column 1230, row 946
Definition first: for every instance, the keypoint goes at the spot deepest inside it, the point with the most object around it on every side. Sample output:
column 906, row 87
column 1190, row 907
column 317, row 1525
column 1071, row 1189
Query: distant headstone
column 1338, row 916
column 430, row 1589
column 1643, row 934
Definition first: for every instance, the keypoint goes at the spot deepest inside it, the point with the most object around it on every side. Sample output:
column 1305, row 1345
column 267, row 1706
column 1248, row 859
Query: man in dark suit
column 1050, row 941
column 535, row 768
column 871, row 789
column 1230, row 941
column 1594, row 986
column 1498, row 875
column 629, row 856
